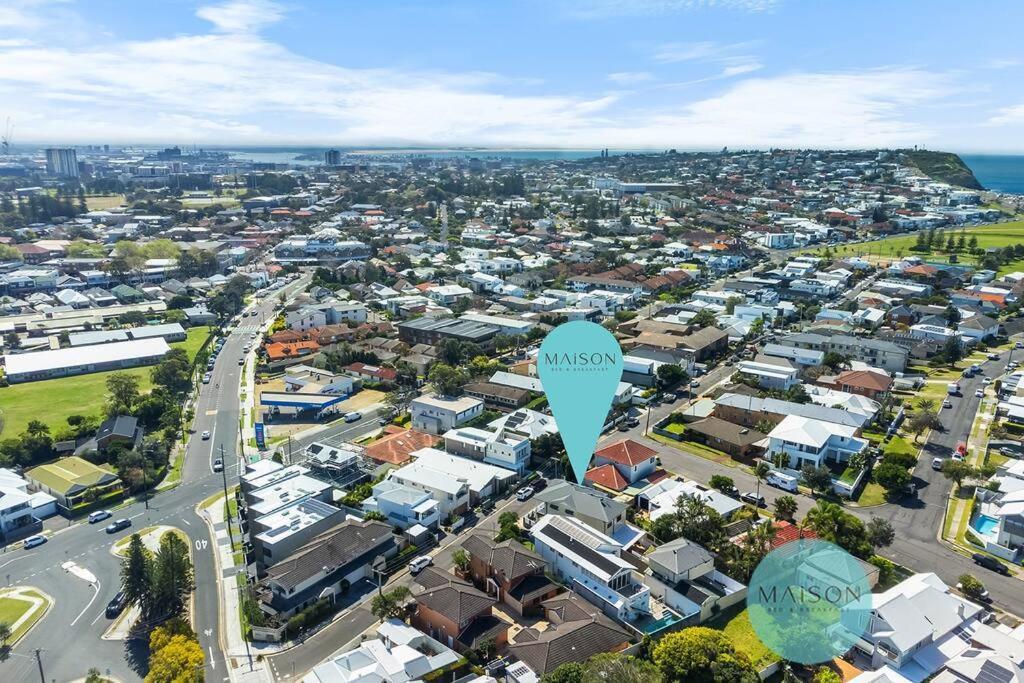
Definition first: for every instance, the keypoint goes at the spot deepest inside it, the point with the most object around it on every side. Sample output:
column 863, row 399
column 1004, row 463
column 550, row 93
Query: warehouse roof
column 23, row 363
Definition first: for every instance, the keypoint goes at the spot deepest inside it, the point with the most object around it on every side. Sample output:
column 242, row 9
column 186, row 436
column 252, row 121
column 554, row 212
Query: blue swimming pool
column 985, row 524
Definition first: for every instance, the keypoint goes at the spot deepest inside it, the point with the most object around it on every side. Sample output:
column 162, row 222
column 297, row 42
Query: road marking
column 15, row 560
column 182, row 519
column 96, row 588
column 213, row 662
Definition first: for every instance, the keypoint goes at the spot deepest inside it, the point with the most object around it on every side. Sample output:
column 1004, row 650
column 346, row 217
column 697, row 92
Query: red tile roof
column 626, row 452
column 608, row 477
column 397, row 447
column 291, row 350
column 865, row 379
column 787, row 531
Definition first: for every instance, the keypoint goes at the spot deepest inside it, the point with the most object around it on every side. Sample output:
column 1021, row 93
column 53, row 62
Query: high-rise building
column 332, row 157
column 62, row 161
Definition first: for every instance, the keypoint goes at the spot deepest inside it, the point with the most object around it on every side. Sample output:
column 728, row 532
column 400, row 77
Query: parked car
column 116, row 605
column 539, row 484
column 979, row 393
column 623, row 427
column 117, row 525
column 206, row 435
column 207, row 377
column 990, row 563
column 947, row 403
column 99, row 516
column 524, row 493
column 33, row 541
column 753, row 499
column 420, row 563
column 218, row 465
column 987, row 381
column 783, row 481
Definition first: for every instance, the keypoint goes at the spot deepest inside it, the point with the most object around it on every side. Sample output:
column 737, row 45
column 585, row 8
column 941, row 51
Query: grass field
column 11, row 609
column 996, row 235
column 54, row 400
column 101, row 202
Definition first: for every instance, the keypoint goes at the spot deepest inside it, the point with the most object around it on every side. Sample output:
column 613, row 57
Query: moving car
column 352, row 417
column 987, row 380
column 206, row 435
column 116, row 605
column 937, row 464
column 524, row 493
column 241, row 361
column 99, row 516
column 993, row 356
column 420, row 563
column 990, row 563
column 33, row 541
column 753, row 499
column 218, row 465
column 117, row 525
column 947, row 403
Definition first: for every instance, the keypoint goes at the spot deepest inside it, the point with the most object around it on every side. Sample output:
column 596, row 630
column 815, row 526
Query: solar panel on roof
column 993, row 672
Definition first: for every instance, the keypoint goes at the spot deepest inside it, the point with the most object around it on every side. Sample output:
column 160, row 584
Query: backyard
column 736, row 625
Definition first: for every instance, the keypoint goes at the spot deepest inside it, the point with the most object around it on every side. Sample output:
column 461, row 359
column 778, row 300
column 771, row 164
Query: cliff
column 944, row 167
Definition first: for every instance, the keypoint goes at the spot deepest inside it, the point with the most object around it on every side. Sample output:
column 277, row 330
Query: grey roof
column 336, row 547
column 779, row 407
column 680, row 556
column 582, row 501
column 448, row 595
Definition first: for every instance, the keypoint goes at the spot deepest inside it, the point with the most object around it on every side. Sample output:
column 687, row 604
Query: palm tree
column 926, row 405
column 785, row 507
column 761, row 470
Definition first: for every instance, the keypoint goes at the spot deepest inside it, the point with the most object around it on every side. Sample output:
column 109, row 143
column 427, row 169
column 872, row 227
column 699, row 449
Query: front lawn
column 54, row 400
column 873, row 494
column 675, row 428
column 898, row 446
column 193, row 341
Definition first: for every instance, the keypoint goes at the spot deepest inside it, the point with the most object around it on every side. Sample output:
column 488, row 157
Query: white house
column 437, row 414
column 403, row 505
column 399, row 654
column 770, row 376
column 807, row 441
column 683, row 575
column 590, row 563
column 501, row 448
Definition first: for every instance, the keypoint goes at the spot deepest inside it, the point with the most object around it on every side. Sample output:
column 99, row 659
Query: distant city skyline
column 561, row 74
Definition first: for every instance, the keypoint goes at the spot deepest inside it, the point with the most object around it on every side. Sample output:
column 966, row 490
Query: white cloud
column 628, row 77
column 234, row 86
column 1008, row 116
column 602, row 9
column 242, row 16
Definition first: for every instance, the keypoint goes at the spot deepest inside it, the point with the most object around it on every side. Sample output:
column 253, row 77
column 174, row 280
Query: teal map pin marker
column 580, row 366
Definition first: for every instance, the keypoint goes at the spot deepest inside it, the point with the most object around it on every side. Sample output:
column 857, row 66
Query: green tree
column 610, row 666
column 570, row 672
column 136, row 574
column 670, row 375
column 785, row 507
column 880, row 533
column 892, row 477
column 704, row 318
column 94, row 676
column 172, row 576
column 12, row 341
column 722, row 482
column 5, row 634
column 174, row 654
column 390, row 605
column 447, row 381
column 702, row 654
column 122, row 393
column 374, row 515
column 825, row 674
column 818, row 478
column 761, row 472
column 831, row 523
column 956, row 471
column 952, row 351
column 460, row 558
column 970, row 586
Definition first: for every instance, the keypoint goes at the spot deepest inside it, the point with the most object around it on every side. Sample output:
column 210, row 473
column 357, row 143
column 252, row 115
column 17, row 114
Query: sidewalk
column 242, row 658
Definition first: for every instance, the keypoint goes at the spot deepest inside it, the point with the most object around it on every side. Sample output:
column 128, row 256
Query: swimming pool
column 985, row 524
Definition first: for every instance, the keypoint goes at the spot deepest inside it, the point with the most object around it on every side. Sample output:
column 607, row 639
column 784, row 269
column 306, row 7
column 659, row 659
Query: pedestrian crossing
column 248, row 328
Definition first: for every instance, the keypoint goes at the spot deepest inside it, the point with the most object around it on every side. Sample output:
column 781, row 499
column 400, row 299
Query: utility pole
column 39, row 661
column 227, row 508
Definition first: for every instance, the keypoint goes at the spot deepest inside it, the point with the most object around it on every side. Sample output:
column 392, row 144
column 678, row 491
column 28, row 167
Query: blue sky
column 625, row 74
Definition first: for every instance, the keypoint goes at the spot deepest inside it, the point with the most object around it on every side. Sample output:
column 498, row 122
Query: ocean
column 1000, row 173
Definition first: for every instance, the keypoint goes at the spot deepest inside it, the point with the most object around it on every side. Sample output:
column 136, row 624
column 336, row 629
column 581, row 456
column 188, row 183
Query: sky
column 572, row 74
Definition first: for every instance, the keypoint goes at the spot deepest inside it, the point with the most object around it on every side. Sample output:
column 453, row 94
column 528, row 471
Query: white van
column 953, row 389
column 782, row 481
column 352, row 417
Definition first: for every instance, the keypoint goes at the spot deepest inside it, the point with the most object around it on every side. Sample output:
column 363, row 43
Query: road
column 78, row 611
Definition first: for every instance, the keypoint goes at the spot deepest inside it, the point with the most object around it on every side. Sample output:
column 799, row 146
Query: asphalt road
column 70, row 635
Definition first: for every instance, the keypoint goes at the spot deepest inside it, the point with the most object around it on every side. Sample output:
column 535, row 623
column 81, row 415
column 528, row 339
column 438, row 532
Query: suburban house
column 813, row 442
column 399, row 654
column 574, row 633
column 498, row 396
column 770, row 375
column 275, row 535
column 437, row 414
column 874, row 385
column 683, row 575
column 120, row 429
column 501, row 448
column 510, row 572
column 734, row 439
column 750, row 410
column 919, row 628
column 662, row 498
column 632, row 460
column 74, row 482
column 591, row 564
column 456, row 483
column 327, row 565
column 455, row 613
column 595, row 509
column 404, row 506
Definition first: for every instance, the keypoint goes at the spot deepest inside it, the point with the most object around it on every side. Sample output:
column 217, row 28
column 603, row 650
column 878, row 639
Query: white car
column 420, row 563
column 987, row 381
column 979, row 393
column 206, row 436
column 993, row 356
column 524, row 493
column 947, row 404
column 936, row 464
